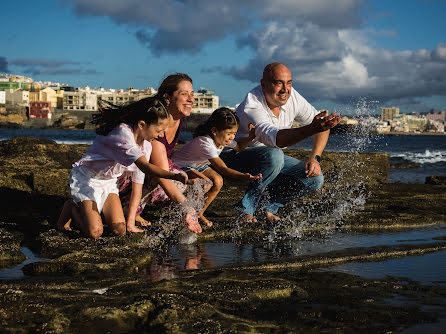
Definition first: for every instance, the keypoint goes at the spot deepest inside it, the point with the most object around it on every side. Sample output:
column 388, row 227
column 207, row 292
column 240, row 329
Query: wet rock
column 10, row 253
column 406, row 164
column 436, row 180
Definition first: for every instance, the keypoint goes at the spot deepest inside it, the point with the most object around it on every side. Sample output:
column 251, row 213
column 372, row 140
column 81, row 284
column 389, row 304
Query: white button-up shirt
column 255, row 110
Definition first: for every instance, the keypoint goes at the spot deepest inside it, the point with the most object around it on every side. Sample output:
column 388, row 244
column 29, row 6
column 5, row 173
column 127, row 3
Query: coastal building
column 11, row 81
column 81, row 100
column 39, row 109
column 55, row 97
column 205, row 101
column 121, row 97
column 388, row 113
column 433, row 116
column 435, row 126
column 416, row 123
column 2, row 97
column 17, row 97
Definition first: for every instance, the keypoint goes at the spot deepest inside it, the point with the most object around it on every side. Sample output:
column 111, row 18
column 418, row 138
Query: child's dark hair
column 222, row 119
column 149, row 110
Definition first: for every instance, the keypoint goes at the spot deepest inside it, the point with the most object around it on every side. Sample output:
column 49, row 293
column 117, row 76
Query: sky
column 350, row 56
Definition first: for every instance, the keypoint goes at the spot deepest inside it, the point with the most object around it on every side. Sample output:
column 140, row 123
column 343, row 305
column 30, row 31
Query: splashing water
column 172, row 220
column 334, row 203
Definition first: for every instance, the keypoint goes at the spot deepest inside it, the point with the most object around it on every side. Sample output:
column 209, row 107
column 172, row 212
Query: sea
column 425, row 154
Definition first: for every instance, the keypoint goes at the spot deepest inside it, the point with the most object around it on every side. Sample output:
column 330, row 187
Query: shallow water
column 425, row 269
column 16, row 271
column 208, row 255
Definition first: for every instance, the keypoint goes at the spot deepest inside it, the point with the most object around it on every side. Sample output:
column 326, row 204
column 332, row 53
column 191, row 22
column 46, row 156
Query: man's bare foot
column 271, row 218
column 248, row 219
column 134, row 229
column 140, row 221
column 192, row 224
column 205, row 221
column 64, row 221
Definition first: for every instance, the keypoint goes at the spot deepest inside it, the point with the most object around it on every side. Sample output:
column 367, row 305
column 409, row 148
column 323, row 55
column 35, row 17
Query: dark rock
column 436, row 180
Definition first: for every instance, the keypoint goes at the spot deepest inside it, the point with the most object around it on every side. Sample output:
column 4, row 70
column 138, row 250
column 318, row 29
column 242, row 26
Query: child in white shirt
column 122, row 145
column 197, row 156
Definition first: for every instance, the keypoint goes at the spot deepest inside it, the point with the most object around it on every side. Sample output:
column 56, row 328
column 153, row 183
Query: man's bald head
column 271, row 69
column 276, row 85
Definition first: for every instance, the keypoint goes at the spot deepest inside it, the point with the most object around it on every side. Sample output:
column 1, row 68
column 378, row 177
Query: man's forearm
column 290, row 137
column 319, row 142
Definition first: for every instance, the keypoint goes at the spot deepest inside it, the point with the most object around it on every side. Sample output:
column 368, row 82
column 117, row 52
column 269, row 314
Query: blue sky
column 343, row 54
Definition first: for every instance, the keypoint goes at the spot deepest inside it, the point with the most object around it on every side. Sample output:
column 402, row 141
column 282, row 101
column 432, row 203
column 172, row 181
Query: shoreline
column 187, row 128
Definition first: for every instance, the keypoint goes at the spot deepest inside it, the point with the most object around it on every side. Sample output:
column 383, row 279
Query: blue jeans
column 283, row 178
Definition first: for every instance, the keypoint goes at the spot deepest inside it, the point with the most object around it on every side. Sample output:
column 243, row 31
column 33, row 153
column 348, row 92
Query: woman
column 178, row 92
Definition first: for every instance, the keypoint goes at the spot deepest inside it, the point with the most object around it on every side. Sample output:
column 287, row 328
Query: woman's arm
column 159, row 158
column 148, row 168
column 221, row 167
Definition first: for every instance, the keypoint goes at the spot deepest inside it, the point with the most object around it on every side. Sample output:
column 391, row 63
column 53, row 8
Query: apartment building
column 80, row 100
column 55, row 97
column 17, row 96
column 205, row 101
column 389, row 113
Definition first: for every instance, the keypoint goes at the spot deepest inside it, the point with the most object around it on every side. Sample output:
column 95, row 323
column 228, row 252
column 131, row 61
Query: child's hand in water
column 182, row 177
column 253, row 177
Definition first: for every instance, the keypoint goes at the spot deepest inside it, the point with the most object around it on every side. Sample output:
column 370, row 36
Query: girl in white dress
column 122, row 145
column 200, row 156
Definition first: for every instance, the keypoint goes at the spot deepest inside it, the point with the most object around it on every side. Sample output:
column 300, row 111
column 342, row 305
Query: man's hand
column 322, row 122
column 312, row 168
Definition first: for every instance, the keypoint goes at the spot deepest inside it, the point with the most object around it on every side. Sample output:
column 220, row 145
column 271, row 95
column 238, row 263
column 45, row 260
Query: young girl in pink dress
column 123, row 145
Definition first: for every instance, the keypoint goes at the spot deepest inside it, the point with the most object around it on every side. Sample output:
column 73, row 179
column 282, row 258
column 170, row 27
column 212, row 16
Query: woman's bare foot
column 192, row 224
column 134, row 229
column 140, row 221
column 204, row 220
column 271, row 218
column 248, row 219
column 64, row 221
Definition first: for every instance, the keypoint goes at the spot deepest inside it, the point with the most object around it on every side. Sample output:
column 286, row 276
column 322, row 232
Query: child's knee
column 94, row 232
column 118, row 228
column 218, row 182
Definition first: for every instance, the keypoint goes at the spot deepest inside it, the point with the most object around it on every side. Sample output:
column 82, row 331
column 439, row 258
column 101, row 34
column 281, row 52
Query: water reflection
column 178, row 258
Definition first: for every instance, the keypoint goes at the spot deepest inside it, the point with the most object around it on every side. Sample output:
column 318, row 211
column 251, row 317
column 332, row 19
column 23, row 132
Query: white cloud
column 321, row 41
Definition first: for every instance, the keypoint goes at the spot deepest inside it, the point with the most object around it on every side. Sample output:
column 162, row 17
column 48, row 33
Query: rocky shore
column 97, row 286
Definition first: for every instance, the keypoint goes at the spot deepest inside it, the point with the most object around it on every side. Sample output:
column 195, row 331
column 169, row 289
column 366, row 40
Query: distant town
column 20, row 95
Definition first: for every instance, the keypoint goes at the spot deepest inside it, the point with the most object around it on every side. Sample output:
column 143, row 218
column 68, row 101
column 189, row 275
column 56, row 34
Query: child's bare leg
column 217, row 183
column 114, row 216
column 87, row 216
column 63, row 223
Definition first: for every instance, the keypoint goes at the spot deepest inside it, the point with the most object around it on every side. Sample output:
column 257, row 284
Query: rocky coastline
column 97, row 286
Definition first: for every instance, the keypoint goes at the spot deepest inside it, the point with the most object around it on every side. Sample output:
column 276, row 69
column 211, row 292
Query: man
column 272, row 107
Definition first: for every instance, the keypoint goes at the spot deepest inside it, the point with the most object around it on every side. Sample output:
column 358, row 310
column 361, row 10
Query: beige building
column 17, row 96
column 48, row 95
column 387, row 114
column 80, row 101
column 205, row 101
column 121, row 97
